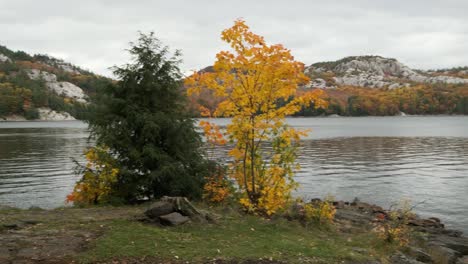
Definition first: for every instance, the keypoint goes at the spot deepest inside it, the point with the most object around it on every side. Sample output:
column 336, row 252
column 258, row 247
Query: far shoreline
column 2, row 120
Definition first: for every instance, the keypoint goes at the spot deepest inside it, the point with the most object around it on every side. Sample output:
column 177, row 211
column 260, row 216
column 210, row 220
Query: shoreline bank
column 104, row 235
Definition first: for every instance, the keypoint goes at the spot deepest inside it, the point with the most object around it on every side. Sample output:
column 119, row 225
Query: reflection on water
column 386, row 169
column 36, row 163
column 379, row 160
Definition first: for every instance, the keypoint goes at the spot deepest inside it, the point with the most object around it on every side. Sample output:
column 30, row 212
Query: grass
column 234, row 237
column 116, row 233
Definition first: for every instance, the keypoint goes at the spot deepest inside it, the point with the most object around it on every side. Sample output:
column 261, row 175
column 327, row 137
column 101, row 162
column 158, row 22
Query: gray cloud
column 94, row 34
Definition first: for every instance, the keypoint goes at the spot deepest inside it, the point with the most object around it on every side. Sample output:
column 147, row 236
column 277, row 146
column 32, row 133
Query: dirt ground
column 56, row 236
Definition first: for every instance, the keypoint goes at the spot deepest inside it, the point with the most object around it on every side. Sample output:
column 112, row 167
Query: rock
column 4, row 58
column 158, row 209
column 446, row 79
column 65, row 89
column 35, row 74
column 356, row 217
column 31, row 221
column 400, row 258
column 459, row 244
column 443, row 255
column 375, row 72
column 48, row 114
column 318, row 83
column 426, row 223
column 394, row 86
column 362, row 251
column 173, row 219
column 462, row 260
column 11, row 226
column 419, row 255
column 339, row 204
column 450, row 232
column 68, row 90
column 315, row 200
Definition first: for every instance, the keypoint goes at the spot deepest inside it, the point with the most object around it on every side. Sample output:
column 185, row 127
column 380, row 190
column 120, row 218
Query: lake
column 380, row 160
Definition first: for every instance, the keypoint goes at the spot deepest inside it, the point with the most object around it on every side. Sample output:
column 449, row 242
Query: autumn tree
column 253, row 79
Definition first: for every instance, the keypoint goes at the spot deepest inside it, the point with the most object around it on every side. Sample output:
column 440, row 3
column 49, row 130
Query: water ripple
column 377, row 159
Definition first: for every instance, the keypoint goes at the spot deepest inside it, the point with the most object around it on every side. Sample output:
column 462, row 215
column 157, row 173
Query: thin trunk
column 252, row 160
column 246, row 186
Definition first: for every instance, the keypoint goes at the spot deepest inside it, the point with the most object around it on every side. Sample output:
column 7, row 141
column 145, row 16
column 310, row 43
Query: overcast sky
column 93, row 34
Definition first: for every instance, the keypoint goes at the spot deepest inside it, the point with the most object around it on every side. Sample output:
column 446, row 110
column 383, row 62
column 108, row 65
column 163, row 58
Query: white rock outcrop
column 446, row 79
column 47, row 114
column 35, row 74
column 65, row 89
column 378, row 72
column 318, row 83
column 68, row 90
column 4, row 58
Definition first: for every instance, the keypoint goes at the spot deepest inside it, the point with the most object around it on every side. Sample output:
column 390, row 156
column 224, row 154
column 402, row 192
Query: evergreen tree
column 142, row 119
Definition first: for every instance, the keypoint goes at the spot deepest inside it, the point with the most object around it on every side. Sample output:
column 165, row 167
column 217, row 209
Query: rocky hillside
column 41, row 87
column 376, row 86
column 377, row 72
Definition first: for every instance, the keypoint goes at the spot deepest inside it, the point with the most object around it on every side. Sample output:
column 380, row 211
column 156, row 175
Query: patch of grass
column 233, row 237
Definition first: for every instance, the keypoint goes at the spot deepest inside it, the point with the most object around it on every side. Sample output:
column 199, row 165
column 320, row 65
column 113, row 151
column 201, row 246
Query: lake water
column 378, row 159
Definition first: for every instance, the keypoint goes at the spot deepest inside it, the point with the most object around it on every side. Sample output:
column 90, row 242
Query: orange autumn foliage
column 251, row 80
column 98, row 176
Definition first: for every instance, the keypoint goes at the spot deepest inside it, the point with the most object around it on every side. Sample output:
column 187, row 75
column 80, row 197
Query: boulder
column 400, row 258
column 459, row 244
column 443, row 255
column 158, row 209
column 4, row 58
column 339, row 204
column 46, row 113
column 173, row 219
column 426, row 223
column 419, row 255
column 463, row 260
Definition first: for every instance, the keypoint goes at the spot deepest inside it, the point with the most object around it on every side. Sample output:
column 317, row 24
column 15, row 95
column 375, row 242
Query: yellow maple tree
column 258, row 84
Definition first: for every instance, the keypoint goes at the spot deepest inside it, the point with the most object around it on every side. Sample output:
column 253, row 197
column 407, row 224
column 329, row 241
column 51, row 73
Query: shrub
column 320, row 212
column 395, row 229
column 31, row 114
column 218, row 188
column 99, row 176
column 317, row 211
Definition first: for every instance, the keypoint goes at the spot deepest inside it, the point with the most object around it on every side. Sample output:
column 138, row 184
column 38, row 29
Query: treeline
column 425, row 99
column 418, row 100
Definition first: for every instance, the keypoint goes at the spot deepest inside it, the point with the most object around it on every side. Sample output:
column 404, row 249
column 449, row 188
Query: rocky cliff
column 41, row 87
column 375, row 72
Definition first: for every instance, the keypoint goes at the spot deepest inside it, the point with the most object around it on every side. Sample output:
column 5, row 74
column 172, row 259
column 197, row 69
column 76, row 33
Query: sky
column 94, row 34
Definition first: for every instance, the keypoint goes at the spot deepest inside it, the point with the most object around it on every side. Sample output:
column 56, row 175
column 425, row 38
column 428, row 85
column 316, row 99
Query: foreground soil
column 122, row 235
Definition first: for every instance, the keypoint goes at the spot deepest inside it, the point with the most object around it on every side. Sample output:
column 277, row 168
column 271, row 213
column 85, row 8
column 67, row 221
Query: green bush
column 31, row 114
